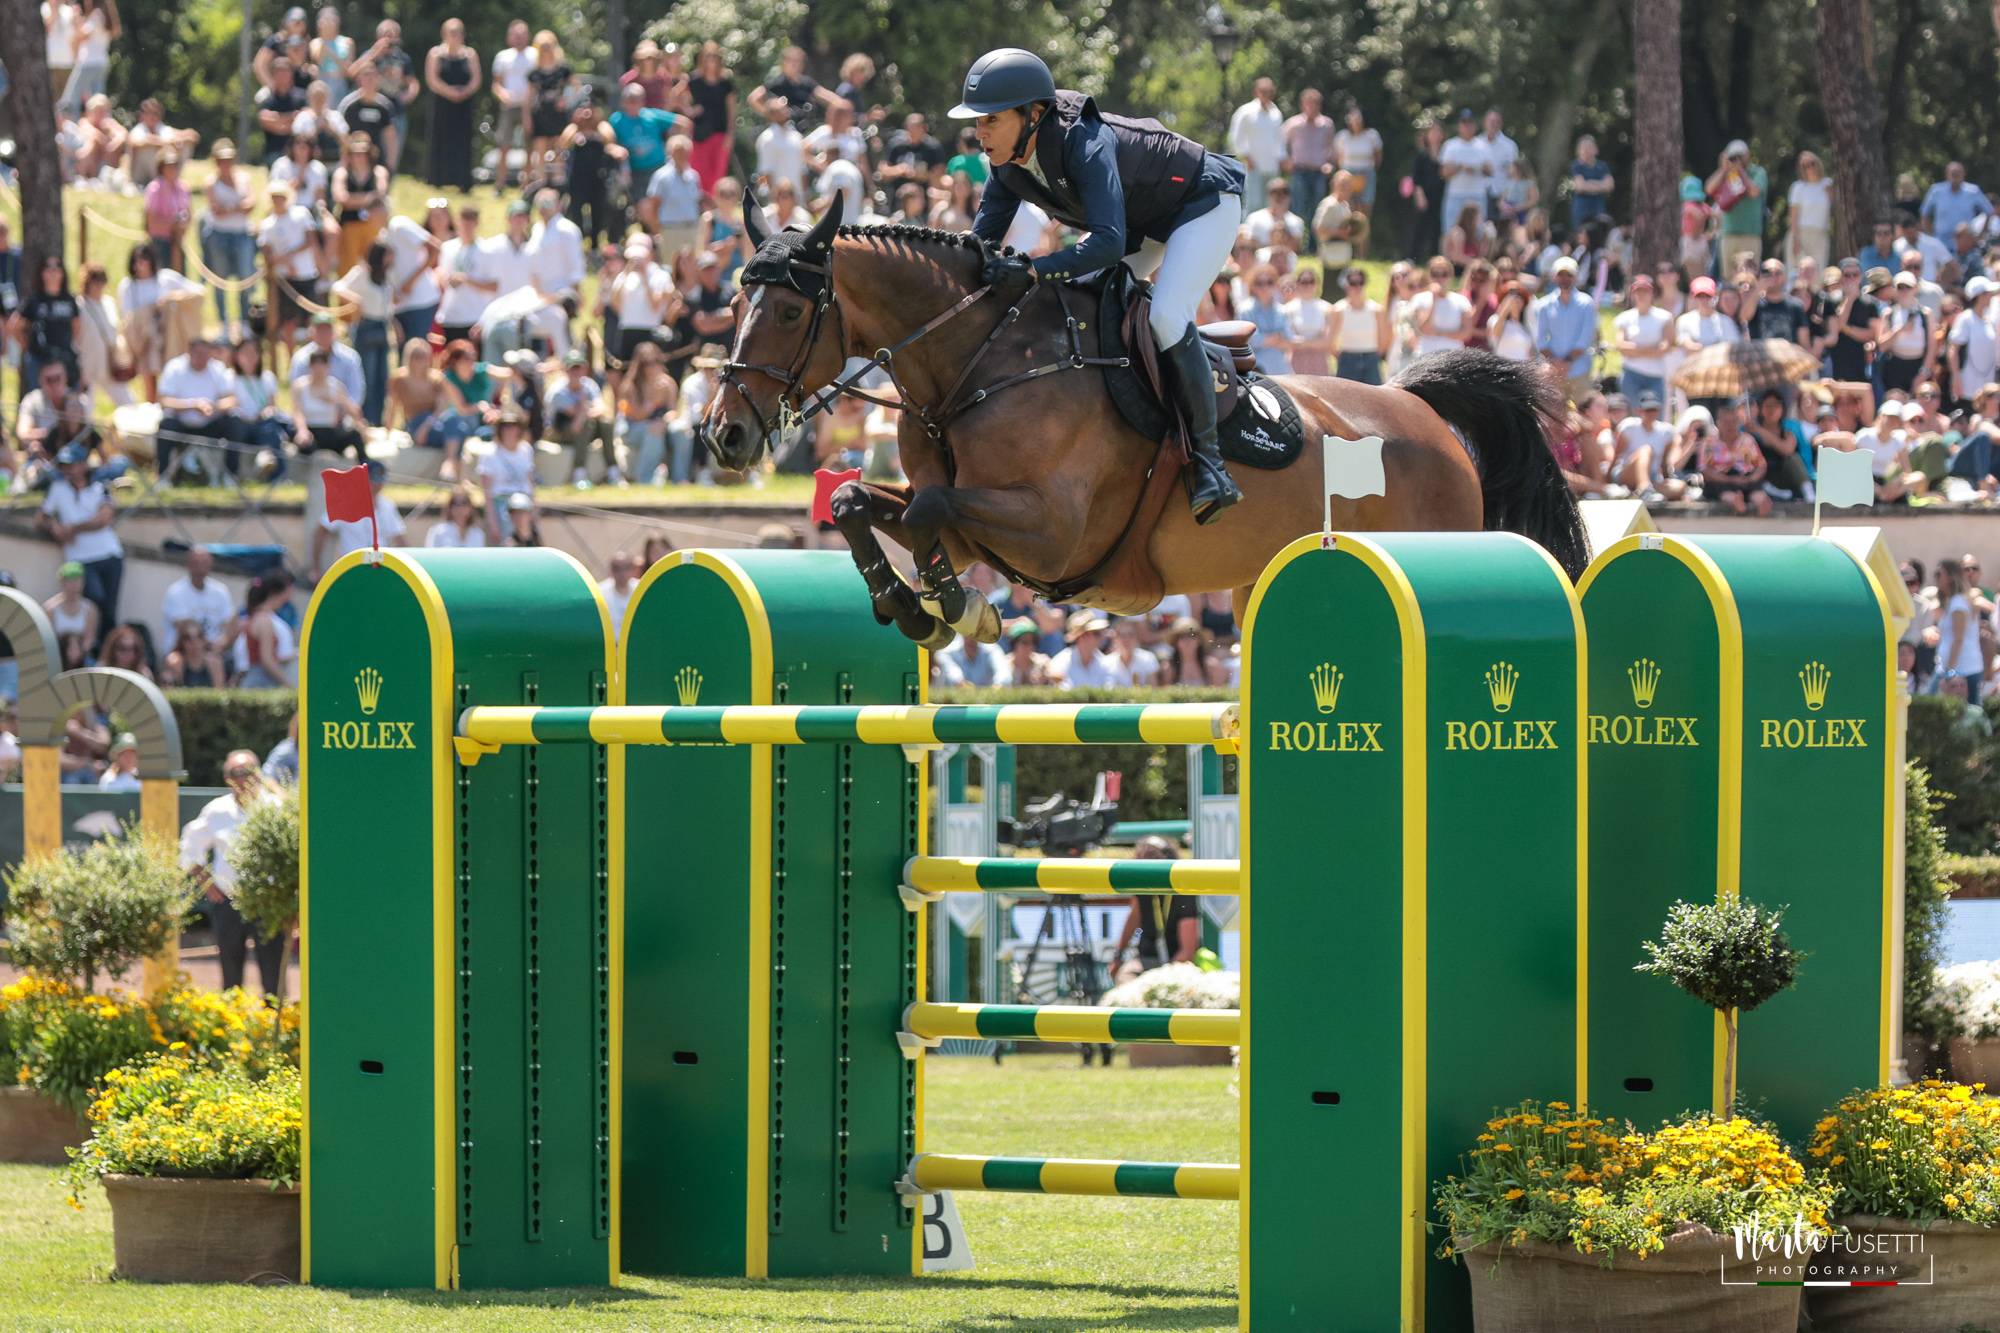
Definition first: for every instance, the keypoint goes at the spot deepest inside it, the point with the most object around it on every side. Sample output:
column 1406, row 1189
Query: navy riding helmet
column 1002, row 80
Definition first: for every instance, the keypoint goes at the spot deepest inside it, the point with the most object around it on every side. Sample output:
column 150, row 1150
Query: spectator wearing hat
column 167, row 207
column 1025, row 665
column 1189, row 655
column 509, row 470
column 359, row 534
column 123, row 772
column 1084, row 664
column 1972, row 348
column 523, row 522
column 78, row 513
column 658, row 75
column 1906, row 351
column 197, row 393
column 1646, row 452
column 969, row 662
column 289, row 238
column 1645, row 335
column 1736, row 187
column 227, row 248
column 580, row 419
column 1929, row 294
column 359, row 189
column 69, row 611
column 1566, row 329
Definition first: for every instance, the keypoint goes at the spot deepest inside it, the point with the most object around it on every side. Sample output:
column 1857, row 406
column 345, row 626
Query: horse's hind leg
column 946, row 598
column 856, row 510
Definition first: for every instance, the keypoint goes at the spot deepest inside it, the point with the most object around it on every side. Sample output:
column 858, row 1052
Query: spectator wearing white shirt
column 843, row 178
column 508, row 470
column 618, row 589
column 206, row 843
column 470, row 277
column 1466, row 168
column 521, row 300
column 460, row 530
column 359, row 534
column 198, row 597
column 1265, row 222
column 1911, row 237
column 1973, row 347
column 1645, row 335
column 1500, row 154
column 781, row 150
column 1257, row 135
column 838, row 140
column 1084, row 664
column 555, row 248
column 123, row 774
column 510, row 89
column 197, row 392
column 320, row 123
column 1703, row 325
column 1139, row 664
column 290, row 240
column 413, row 290
column 78, row 513
column 343, row 362
column 643, row 296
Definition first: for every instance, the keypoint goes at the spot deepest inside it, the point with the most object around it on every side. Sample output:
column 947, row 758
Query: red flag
column 348, row 498
column 824, row 485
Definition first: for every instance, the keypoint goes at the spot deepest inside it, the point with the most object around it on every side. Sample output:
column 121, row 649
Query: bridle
column 793, row 412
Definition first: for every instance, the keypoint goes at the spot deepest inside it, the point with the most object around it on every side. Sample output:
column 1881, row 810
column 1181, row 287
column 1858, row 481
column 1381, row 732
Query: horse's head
column 781, row 352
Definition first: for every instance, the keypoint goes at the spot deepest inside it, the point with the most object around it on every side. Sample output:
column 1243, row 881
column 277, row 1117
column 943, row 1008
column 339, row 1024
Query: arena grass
column 1046, row 1265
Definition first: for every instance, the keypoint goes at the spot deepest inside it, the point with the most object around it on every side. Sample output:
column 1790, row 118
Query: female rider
column 1139, row 193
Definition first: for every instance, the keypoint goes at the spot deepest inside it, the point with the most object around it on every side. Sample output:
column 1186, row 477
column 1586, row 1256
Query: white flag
column 1846, row 478
column 1353, row 468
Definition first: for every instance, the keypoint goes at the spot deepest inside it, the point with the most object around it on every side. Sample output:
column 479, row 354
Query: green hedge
column 1955, row 744
column 1926, row 911
column 214, row 722
column 1155, row 776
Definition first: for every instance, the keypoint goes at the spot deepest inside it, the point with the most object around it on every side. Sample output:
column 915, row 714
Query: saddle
column 1124, row 306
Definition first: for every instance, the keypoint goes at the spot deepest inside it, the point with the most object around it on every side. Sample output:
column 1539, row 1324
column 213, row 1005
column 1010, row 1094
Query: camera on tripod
column 1060, row 826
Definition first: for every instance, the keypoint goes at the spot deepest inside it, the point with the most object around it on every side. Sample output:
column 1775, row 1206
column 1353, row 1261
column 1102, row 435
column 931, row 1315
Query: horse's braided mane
column 904, row 232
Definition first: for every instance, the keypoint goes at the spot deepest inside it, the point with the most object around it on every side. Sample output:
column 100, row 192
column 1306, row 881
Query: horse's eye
column 789, row 315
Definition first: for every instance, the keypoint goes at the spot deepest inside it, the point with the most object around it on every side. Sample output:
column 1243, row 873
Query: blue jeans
column 1632, row 383
column 414, row 323
column 85, row 82
column 1308, row 188
column 454, row 427
column 646, row 442
column 230, row 254
column 1361, row 367
column 371, row 340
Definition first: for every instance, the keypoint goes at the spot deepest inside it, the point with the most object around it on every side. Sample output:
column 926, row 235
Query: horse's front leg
column 857, row 511
column 1015, row 524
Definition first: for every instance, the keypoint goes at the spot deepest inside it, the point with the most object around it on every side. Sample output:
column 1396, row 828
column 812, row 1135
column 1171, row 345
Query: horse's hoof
column 980, row 622
column 941, row 636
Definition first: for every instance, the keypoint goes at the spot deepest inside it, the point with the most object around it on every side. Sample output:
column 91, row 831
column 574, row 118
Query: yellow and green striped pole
column 876, row 724
column 1056, row 1175
column 972, row 874
column 1076, row 1023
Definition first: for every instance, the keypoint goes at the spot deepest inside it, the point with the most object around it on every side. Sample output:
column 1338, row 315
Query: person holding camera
column 1737, row 191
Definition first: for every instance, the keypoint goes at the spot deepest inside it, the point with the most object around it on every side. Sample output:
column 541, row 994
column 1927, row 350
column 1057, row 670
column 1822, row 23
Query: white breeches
column 1183, row 266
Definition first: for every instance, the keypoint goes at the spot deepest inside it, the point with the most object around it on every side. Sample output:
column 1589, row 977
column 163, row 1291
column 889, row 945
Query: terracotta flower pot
column 1539, row 1288
column 35, row 1129
column 1976, row 1062
column 1150, row 1055
column 1959, row 1262
column 179, row 1230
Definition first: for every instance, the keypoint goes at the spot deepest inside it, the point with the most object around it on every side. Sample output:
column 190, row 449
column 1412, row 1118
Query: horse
column 1036, row 473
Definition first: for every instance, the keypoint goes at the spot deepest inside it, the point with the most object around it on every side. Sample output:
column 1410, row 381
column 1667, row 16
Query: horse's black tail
column 1498, row 407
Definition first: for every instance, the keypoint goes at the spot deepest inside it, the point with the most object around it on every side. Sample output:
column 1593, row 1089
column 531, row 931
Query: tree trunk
column 1853, row 119
column 1701, row 94
column 1559, row 121
column 1743, row 72
column 24, row 49
column 1656, row 132
column 1910, row 20
column 1729, row 1067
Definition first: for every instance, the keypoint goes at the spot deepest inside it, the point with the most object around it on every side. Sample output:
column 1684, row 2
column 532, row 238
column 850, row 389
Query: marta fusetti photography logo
column 1800, row 1257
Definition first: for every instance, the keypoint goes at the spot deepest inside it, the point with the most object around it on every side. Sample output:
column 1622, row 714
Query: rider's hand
column 1008, row 275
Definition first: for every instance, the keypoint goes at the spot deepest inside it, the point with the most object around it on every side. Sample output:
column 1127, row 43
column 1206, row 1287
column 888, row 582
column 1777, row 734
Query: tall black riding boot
column 1210, row 490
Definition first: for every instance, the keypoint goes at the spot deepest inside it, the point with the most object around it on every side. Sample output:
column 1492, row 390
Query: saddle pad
column 1265, row 430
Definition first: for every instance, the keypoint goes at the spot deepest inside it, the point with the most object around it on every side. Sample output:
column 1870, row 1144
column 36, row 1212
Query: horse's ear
column 753, row 224
column 821, row 236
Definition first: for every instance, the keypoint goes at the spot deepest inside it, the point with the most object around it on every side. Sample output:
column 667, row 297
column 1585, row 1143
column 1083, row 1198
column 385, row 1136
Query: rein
column 794, row 413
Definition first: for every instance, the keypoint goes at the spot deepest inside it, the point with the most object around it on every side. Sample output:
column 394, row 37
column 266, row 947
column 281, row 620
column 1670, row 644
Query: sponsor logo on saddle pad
column 1629, row 729
column 1812, row 733
column 368, row 735
column 1502, row 679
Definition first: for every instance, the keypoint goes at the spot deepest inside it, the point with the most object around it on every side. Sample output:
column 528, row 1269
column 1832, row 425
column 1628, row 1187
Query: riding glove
column 1009, row 276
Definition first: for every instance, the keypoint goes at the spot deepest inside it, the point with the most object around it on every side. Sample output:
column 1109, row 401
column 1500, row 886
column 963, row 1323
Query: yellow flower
column 1514, row 1194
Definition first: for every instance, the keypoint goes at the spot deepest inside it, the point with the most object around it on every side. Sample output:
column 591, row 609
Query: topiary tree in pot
column 76, row 914
column 1732, row 956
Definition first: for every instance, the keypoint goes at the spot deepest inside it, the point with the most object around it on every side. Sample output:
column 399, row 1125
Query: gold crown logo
column 1645, row 677
column 1326, row 678
column 369, row 686
column 1815, row 678
column 1501, row 678
column 687, row 683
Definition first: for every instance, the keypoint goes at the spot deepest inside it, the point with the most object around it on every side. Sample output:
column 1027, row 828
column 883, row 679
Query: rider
column 1138, row 192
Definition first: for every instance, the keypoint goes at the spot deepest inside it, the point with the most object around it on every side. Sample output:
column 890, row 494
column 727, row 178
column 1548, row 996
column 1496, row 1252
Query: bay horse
column 1037, row 473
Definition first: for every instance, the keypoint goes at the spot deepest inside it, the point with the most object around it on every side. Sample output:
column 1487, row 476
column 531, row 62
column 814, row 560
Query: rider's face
column 998, row 133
